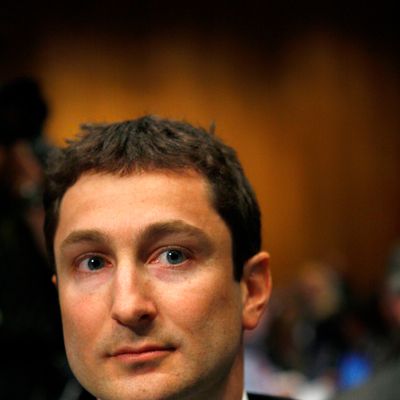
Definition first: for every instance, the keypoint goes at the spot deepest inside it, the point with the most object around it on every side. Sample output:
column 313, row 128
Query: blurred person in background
column 390, row 308
column 317, row 336
column 384, row 384
column 304, row 332
column 31, row 356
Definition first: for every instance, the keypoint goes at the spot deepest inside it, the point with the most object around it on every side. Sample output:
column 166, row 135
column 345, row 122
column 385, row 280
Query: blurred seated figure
column 299, row 347
column 385, row 383
column 318, row 329
column 31, row 361
column 304, row 333
column 390, row 307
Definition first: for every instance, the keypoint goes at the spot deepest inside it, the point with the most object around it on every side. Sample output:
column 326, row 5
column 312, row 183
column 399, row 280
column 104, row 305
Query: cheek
column 82, row 318
column 202, row 308
column 207, row 321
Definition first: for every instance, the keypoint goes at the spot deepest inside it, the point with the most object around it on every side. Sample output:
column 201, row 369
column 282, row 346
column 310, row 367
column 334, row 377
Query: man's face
column 149, row 305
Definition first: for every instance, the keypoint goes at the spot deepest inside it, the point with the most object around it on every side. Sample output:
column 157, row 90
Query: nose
column 133, row 303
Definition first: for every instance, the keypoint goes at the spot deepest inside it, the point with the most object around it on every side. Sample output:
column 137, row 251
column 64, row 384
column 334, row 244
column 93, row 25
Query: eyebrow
column 89, row 236
column 160, row 229
column 177, row 230
column 151, row 233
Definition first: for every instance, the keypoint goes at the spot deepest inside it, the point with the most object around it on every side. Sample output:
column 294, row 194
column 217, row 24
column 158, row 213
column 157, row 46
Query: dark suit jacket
column 264, row 397
column 87, row 396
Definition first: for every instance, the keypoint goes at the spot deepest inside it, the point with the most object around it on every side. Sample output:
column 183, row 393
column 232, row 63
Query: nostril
column 146, row 317
column 133, row 299
column 133, row 310
column 134, row 321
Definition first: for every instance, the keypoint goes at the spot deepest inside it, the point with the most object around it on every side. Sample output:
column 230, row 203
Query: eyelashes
column 169, row 257
column 172, row 257
column 92, row 263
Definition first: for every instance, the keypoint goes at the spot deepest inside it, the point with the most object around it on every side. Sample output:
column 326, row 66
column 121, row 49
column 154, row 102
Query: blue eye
column 173, row 257
column 92, row 263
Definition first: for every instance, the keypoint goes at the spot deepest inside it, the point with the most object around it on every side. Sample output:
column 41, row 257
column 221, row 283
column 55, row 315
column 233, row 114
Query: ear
column 256, row 289
column 54, row 280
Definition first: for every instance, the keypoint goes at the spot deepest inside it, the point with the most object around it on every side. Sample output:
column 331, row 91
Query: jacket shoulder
column 253, row 396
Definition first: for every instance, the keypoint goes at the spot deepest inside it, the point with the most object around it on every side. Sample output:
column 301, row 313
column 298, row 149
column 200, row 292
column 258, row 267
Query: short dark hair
column 153, row 143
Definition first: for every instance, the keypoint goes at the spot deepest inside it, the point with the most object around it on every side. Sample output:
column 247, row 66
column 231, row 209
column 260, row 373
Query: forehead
column 136, row 185
column 104, row 201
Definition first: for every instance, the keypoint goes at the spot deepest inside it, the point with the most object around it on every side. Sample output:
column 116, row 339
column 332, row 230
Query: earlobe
column 54, row 280
column 256, row 289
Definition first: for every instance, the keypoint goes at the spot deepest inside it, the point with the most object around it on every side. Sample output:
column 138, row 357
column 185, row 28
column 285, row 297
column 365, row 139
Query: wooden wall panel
column 317, row 130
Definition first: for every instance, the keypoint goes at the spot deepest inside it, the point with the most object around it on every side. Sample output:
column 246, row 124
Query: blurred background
column 308, row 94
